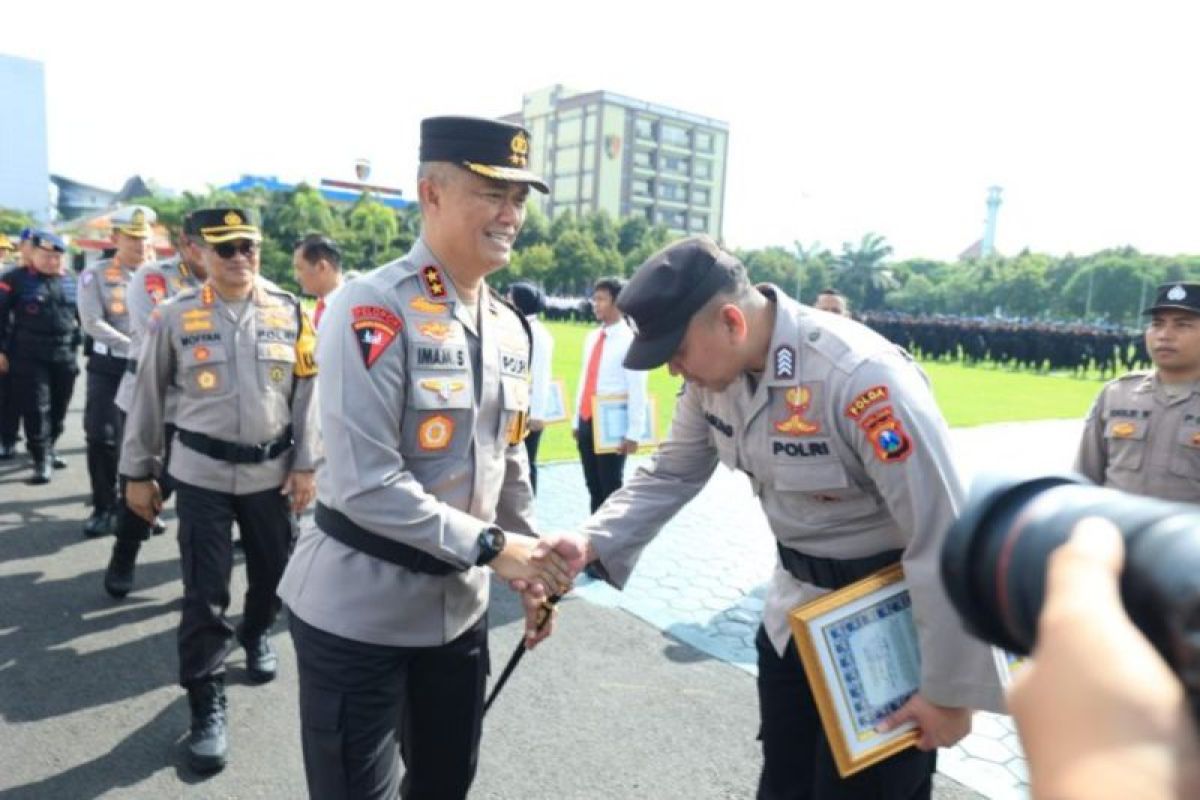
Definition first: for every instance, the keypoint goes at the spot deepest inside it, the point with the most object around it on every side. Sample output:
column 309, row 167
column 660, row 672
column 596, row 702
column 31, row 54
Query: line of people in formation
column 403, row 408
column 1037, row 346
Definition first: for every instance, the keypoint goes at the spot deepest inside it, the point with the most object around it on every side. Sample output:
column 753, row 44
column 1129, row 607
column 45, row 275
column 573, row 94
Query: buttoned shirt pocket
column 437, row 416
column 205, row 370
column 1185, row 455
column 276, row 362
column 815, row 487
column 1126, row 440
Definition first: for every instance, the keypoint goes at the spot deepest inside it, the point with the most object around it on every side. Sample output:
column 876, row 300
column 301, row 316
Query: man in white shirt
column 604, row 375
column 317, row 265
column 530, row 301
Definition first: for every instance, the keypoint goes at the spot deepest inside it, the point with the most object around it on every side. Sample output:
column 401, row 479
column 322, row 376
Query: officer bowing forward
column 239, row 353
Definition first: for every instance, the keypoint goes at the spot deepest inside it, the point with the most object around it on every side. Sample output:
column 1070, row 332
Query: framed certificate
column 859, row 649
column 556, row 404
column 610, row 422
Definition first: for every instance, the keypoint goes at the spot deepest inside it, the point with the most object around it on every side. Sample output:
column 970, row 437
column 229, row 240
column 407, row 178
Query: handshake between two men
column 541, row 569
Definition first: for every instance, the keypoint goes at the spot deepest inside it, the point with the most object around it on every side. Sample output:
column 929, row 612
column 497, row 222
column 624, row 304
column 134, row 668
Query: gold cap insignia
column 233, row 218
column 520, row 149
column 138, row 219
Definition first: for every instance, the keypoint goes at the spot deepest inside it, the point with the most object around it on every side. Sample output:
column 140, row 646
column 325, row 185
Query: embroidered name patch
column 441, row 357
column 375, row 328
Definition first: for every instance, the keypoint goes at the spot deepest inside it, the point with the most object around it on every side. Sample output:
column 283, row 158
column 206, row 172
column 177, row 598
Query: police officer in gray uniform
column 104, row 313
column 1143, row 432
column 845, row 448
column 239, row 352
column 152, row 284
column 423, row 399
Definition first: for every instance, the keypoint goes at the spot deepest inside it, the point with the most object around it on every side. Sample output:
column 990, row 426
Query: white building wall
column 24, row 164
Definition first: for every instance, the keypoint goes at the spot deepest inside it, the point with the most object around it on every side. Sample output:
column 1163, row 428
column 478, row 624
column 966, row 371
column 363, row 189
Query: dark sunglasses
column 231, row 249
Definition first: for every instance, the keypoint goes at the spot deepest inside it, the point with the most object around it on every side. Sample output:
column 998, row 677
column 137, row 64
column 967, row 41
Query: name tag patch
column 440, row 357
column 513, row 364
column 802, row 449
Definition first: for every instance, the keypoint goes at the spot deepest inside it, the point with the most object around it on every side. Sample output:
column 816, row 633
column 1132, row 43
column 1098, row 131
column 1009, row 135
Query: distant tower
column 989, row 228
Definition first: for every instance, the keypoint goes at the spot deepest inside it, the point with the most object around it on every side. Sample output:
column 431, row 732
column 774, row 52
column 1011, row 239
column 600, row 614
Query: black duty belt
column 337, row 525
column 833, row 573
column 236, row 453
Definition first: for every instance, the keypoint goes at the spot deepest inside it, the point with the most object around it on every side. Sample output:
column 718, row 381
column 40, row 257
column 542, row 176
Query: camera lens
column 994, row 561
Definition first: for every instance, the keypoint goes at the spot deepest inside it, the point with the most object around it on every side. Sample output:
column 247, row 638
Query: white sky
column 845, row 117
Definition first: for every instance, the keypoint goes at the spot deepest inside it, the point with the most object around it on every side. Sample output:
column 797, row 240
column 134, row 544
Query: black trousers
column 797, row 761
column 603, row 473
column 44, row 388
column 531, row 447
column 359, row 700
column 10, row 411
column 206, row 558
column 102, row 427
column 131, row 527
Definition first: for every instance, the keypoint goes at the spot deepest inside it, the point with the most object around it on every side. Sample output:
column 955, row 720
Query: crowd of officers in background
column 1036, row 346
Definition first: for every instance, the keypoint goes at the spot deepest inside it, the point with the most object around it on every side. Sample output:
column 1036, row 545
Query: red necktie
column 317, row 314
column 589, row 381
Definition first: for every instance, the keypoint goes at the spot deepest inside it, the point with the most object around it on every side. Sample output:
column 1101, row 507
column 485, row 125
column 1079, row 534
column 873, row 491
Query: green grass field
column 967, row 395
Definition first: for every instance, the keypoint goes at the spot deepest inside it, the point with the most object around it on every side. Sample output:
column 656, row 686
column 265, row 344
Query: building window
column 588, row 179
column 644, row 128
column 704, row 141
column 672, row 191
column 672, row 219
column 703, row 169
column 675, row 164
column 642, row 187
column 643, row 158
column 699, row 222
column 700, row 195
column 675, row 135
column 650, row 214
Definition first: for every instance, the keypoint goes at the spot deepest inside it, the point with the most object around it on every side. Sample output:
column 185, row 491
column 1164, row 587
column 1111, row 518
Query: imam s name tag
column 440, row 357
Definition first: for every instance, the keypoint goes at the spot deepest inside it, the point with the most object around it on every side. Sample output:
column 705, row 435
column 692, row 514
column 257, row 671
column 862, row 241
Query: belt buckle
column 262, row 451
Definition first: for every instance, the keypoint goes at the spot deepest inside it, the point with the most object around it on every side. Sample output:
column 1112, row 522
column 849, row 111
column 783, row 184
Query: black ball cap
column 488, row 147
column 664, row 293
column 1179, row 296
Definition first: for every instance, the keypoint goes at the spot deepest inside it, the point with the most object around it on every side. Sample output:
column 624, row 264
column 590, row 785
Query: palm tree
column 862, row 273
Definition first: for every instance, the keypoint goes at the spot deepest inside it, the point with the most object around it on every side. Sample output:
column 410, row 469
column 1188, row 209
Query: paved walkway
column 703, row 579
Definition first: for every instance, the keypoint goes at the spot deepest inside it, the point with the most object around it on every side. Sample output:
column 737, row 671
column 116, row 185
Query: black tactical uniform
column 39, row 335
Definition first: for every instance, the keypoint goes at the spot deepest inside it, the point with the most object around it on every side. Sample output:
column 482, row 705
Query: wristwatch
column 491, row 542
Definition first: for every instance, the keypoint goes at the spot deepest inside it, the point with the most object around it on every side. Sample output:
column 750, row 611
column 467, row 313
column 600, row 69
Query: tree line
column 567, row 254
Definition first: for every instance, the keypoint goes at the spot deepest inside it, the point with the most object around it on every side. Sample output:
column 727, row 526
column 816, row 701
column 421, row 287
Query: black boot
column 8, row 451
column 118, row 578
column 100, row 523
column 261, row 661
column 56, row 460
column 207, row 745
column 42, row 472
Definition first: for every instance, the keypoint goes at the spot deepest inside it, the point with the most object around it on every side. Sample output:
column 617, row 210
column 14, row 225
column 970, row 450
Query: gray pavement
column 645, row 693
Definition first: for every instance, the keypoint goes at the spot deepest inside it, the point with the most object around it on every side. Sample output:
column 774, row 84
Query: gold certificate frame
column 610, row 415
column 859, row 649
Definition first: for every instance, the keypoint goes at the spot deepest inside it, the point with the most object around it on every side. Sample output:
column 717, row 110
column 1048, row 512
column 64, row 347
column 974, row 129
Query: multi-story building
column 604, row 151
column 24, row 163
